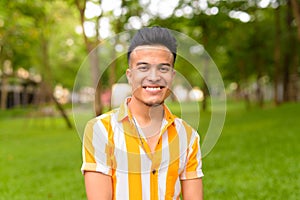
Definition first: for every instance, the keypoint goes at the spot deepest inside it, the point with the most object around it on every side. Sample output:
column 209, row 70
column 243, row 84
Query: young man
column 141, row 150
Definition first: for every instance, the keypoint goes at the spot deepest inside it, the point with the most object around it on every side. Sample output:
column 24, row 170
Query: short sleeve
column 193, row 167
column 95, row 148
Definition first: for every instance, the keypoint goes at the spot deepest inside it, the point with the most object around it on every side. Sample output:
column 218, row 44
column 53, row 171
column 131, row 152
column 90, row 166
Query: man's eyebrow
column 142, row 63
column 168, row 64
column 160, row 64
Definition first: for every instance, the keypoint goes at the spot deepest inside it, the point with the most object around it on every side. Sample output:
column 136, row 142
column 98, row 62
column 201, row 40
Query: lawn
column 40, row 159
column 256, row 157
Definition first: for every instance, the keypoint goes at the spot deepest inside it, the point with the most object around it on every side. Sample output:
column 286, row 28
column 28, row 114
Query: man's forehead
column 151, row 47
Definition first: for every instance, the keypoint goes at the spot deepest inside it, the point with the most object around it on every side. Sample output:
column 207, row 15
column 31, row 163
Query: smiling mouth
column 153, row 88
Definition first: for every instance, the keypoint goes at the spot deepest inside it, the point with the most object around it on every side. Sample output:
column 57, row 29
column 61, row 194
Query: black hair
column 153, row 36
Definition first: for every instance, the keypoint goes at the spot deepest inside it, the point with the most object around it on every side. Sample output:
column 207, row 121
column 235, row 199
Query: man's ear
column 128, row 75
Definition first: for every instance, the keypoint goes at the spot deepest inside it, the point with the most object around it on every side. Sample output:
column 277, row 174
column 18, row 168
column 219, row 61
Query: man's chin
column 158, row 101
column 154, row 104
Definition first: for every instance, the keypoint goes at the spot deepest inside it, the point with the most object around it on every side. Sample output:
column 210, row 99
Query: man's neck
column 144, row 114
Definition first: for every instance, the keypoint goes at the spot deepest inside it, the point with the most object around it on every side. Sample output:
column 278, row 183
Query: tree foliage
column 261, row 48
column 27, row 25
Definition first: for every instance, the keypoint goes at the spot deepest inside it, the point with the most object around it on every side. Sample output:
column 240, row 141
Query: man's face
column 150, row 74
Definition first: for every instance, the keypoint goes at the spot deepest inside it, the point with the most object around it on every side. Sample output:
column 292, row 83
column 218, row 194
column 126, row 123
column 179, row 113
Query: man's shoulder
column 108, row 114
column 185, row 127
column 103, row 117
column 182, row 122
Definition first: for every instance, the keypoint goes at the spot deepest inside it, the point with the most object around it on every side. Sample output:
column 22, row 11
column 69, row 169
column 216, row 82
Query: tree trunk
column 4, row 92
column 259, row 86
column 258, row 62
column 295, row 6
column 6, row 73
column 294, row 77
column 291, row 60
column 205, row 84
column 205, row 69
column 95, row 72
column 243, row 83
column 92, row 51
column 47, row 87
column 296, row 12
column 112, row 73
column 259, row 91
column 277, row 57
column 62, row 112
column 286, row 77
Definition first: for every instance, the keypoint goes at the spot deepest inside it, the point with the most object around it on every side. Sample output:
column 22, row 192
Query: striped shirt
column 113, row 146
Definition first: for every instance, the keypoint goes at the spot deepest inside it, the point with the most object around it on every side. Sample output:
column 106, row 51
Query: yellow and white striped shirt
column 112, row 145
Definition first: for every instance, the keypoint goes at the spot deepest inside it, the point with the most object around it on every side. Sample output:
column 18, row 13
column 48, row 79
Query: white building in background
column 181, row 93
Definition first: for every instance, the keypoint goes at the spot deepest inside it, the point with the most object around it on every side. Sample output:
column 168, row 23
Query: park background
column 254, row 44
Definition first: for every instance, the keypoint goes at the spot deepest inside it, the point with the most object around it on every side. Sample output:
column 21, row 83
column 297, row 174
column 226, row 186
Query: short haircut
column 153, row 36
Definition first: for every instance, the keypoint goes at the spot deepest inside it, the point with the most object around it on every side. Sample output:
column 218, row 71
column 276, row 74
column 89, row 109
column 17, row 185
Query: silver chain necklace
column 138, row 131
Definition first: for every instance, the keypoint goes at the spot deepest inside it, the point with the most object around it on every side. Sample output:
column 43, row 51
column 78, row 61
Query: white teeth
column 153, row 88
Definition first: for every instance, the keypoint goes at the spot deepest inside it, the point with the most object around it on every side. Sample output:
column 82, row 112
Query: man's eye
column 164, row 69
column 143, row 68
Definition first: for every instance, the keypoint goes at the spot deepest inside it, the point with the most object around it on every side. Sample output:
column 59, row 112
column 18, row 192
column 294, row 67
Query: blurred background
column 254, row 44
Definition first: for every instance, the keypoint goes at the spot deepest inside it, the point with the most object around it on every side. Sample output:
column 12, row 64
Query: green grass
column 40, row 159
column 256, row 157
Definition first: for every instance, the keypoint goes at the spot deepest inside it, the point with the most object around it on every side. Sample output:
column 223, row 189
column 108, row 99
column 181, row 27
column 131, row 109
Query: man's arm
column 98, row 186
column 192, row 189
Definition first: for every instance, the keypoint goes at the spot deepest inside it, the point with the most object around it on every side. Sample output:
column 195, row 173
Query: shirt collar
column 125, row 113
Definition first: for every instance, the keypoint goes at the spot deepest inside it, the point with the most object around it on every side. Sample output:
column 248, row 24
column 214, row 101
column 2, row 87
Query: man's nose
column 154, row 74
